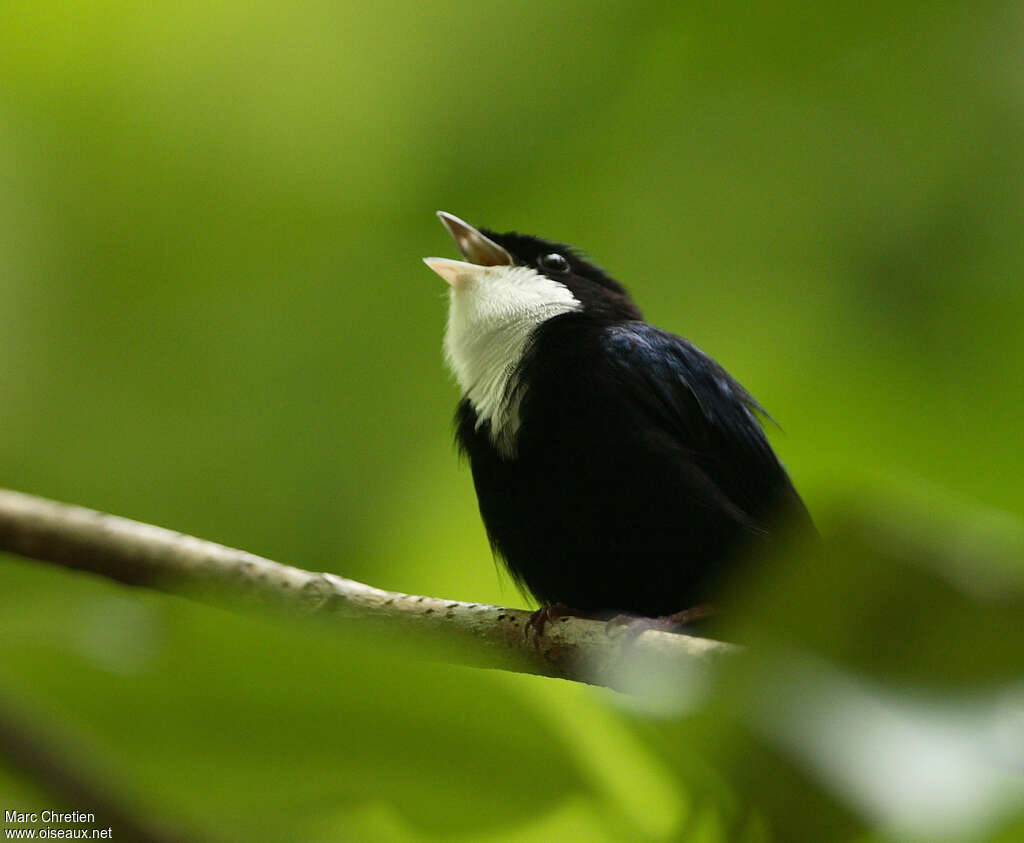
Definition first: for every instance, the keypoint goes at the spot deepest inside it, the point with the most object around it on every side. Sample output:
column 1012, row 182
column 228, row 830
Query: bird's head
column 507, row 286
column 520, row 273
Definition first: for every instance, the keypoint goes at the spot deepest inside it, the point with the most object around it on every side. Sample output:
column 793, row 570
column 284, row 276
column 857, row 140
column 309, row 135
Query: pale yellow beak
column 451, row 270
column 476, row 248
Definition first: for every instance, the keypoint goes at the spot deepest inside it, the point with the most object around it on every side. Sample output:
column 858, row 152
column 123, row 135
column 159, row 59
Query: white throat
column 492, row 313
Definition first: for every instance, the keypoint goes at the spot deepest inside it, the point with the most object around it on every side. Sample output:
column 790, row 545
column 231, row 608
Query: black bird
column 617, row 466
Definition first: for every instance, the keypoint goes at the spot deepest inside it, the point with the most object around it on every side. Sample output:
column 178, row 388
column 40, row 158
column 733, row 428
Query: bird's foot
column 633, row 626
column 686, row 617
column 539, row 620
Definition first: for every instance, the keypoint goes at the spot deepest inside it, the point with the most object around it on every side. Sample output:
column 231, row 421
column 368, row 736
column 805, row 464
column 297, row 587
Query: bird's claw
column 539, row 620
column 686, row 617
column 633, row 626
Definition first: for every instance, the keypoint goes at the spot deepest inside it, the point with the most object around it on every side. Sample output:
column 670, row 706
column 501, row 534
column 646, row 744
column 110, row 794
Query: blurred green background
column 215, row 318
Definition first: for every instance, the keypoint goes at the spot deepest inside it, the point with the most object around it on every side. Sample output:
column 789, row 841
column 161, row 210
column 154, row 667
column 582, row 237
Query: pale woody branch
column 146, row 555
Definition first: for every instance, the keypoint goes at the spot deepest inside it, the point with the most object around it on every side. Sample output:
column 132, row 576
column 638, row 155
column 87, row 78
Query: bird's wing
column 708, row 412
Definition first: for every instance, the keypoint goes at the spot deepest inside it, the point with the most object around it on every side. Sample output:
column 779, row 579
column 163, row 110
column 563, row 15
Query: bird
column 618, row 468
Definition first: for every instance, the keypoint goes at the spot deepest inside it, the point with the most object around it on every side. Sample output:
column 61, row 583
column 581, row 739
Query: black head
column 599, row 293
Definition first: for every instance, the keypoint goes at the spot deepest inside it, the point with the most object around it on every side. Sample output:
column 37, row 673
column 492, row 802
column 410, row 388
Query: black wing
column 712, row 416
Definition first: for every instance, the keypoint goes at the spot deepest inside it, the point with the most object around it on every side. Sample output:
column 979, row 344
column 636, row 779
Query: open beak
column 477, row 249
column 474, row 246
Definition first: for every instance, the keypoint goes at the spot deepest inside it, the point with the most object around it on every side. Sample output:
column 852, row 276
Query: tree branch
column 145, row 555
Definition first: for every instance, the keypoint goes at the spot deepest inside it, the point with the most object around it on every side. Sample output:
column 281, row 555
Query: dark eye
column 554, row 263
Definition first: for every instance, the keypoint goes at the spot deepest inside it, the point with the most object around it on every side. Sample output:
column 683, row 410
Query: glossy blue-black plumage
column 641, row 473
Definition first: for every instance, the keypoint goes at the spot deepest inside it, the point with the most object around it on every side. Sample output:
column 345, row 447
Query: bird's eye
column 554, row 263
